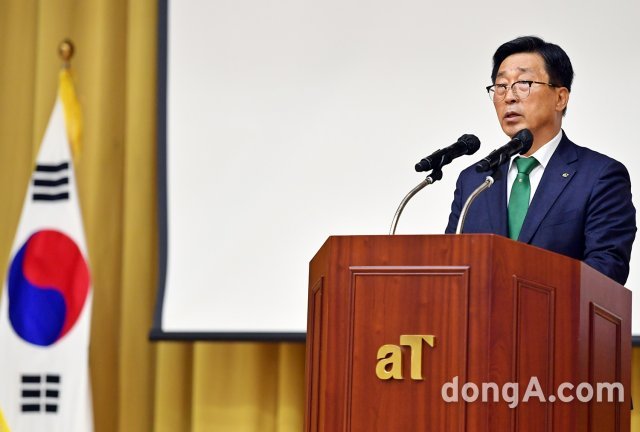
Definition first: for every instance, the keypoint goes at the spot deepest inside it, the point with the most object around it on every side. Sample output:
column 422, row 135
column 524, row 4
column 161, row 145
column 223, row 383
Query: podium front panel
column 388, row 302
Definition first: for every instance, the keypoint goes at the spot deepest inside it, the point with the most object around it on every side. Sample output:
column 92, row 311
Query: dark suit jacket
column 582, row 208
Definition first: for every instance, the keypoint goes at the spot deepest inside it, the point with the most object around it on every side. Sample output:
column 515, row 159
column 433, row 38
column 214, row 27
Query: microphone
column 466, row 145
column 520, row 144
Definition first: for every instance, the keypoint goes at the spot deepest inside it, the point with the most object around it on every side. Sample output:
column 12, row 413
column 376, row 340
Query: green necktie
column 520, row 195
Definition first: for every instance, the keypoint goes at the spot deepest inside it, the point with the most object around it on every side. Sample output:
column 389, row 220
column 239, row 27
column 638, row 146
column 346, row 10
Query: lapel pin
column 565, row 175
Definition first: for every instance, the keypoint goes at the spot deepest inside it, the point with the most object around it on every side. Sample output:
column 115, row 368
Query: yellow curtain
column 137, row 385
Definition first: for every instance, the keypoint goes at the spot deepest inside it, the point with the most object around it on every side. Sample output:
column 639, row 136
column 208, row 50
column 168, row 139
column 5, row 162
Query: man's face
column 541, row 111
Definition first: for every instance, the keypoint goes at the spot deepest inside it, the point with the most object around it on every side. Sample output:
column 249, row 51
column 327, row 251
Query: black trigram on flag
column 51, row 182
column 40, row 393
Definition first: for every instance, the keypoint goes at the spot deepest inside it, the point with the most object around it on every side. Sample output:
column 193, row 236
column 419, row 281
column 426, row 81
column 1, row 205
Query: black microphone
column 521, row 143
column 466, row 145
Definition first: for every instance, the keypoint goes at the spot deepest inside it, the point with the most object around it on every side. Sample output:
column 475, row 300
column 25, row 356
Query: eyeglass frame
column 508, row 87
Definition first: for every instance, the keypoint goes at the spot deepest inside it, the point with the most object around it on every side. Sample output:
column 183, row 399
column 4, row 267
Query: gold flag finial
column 65, row 51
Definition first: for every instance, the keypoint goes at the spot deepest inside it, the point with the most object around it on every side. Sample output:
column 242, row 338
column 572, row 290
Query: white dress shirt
column 543, row 155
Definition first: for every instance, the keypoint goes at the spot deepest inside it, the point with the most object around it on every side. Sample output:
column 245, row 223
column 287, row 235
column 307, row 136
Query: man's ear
column 562, row 99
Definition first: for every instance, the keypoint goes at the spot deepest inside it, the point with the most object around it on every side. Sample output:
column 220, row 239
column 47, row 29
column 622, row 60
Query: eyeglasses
column 520, row 89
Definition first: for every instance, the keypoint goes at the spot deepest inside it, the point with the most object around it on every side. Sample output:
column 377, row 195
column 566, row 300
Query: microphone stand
column 465, row 209
column 435, row 175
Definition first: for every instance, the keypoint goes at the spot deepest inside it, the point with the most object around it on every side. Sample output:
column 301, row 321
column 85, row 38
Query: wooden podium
column 393, row 319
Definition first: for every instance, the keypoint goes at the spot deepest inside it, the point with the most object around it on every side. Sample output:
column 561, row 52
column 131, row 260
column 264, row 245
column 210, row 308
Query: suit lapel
column 556, row 177
column 496, row 202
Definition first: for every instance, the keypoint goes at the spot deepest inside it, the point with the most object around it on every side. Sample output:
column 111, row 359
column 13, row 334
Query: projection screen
column 284, row 122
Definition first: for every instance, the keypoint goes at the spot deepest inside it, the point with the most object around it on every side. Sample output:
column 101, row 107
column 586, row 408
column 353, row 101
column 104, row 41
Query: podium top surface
column 455, row 246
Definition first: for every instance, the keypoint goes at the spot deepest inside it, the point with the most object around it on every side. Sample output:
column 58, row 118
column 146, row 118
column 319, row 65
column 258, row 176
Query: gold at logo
column 389, row 365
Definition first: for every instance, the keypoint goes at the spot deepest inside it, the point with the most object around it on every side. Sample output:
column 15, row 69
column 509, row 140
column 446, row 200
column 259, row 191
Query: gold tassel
column 72, row 112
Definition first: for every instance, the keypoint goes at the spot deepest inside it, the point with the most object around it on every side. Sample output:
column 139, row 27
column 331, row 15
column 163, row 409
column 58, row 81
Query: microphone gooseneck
column 431, row 179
